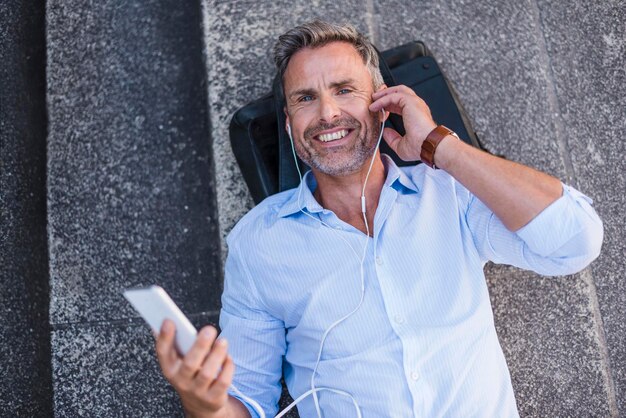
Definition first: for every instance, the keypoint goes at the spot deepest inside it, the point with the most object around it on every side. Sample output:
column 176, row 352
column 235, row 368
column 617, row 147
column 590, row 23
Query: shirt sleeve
column 563, row 239
column 256, row 340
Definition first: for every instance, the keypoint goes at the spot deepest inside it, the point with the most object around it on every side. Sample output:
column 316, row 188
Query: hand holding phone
column 154, row 305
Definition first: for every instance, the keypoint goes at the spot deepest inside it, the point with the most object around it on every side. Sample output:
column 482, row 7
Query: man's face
column 328, row 91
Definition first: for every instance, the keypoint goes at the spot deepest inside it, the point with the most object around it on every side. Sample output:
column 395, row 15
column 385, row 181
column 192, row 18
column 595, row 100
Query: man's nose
column 329, row 110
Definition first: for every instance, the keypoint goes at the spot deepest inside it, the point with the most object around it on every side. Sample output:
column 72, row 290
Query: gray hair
column 318, row 33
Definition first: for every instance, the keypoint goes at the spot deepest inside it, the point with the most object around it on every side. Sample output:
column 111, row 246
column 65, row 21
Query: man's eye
column 344, row 91
column 305, row 99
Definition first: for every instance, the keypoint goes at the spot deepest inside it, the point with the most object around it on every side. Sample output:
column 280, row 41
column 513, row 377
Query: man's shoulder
column 262, row 216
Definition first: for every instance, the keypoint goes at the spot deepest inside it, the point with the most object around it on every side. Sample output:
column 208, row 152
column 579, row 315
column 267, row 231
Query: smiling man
column 364, row 286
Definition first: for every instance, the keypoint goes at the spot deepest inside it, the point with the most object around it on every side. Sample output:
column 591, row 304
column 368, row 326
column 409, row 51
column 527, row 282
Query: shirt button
column 415, row 375
column 379, row 260
column 399, row 319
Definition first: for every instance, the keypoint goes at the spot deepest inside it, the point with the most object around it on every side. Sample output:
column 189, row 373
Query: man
column 379, row 306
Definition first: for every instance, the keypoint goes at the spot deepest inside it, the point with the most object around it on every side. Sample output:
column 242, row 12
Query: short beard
column 362, row 150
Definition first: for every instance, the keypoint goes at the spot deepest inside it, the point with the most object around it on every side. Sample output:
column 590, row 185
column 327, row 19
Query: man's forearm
column 514, row 192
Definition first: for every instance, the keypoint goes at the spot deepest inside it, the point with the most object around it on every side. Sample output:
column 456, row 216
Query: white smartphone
column 155, row 305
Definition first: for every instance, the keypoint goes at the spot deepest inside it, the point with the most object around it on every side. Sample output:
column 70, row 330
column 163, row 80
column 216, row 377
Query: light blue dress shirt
column 423, row 343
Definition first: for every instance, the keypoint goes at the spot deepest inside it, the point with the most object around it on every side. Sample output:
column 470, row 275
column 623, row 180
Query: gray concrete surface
column 109, row 369
column 562, row 336
column 25, row 384
column 586, row 46
column 130, row 195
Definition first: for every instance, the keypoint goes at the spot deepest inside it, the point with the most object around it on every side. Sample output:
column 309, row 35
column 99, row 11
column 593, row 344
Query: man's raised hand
column 416, row 117
column 203, row 376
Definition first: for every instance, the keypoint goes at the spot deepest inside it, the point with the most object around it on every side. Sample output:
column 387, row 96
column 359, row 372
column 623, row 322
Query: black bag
column 263, row 151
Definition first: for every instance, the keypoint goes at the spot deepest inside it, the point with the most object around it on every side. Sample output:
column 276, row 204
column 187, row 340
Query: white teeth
column 335, row 135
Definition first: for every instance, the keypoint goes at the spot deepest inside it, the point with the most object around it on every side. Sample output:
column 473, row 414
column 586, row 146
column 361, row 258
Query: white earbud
column 289, row 131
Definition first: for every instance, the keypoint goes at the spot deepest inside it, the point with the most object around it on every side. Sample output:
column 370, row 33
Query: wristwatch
column 427, row 155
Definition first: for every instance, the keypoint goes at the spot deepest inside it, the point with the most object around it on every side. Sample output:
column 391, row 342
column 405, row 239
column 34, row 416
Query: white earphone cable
column 314, row 390
column 362, row 271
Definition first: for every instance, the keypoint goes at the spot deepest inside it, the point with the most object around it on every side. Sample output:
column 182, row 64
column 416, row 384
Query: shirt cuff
column 561, row 221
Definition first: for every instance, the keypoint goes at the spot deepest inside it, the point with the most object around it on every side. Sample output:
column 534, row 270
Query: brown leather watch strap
column 427, row 155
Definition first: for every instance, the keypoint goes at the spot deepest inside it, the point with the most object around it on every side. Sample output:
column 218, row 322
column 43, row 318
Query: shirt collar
column 396, row 177
column 302, row 197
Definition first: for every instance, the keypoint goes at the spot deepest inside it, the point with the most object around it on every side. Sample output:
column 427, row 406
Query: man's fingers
column 396, row 99
column 213, row 364
column 222, row 383
column 415, row 114
column 228, row 370
column 392, row 90
column 393, row 103
column 198, row 352
column 165, row 350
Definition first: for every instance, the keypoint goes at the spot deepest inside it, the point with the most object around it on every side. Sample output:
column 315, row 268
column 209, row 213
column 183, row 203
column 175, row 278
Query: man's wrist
column 430, row 145
column 447, row 153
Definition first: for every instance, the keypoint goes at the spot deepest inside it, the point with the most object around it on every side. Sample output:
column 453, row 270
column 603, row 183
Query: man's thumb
column 392, row 138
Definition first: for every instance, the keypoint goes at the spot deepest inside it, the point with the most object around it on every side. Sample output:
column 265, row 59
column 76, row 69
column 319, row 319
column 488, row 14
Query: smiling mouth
column 333, row 136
